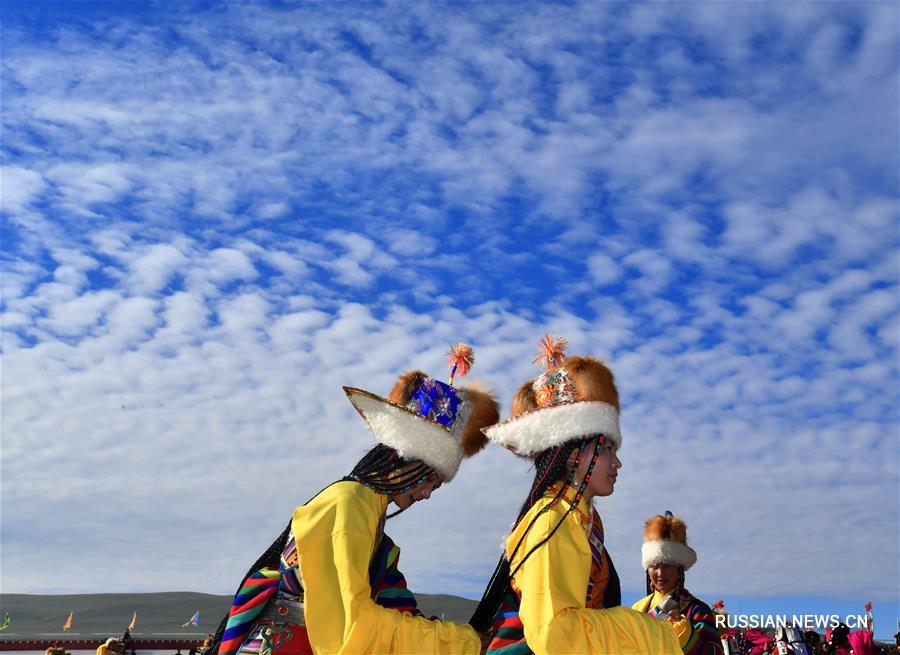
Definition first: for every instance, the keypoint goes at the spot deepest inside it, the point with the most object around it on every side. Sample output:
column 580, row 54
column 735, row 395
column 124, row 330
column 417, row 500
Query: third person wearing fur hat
column 665, row 557
column 555, row 589
column 329, row 583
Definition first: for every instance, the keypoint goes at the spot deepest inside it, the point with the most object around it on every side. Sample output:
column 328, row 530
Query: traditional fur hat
column 429, row 420
column 665, row 542
column 574, row 397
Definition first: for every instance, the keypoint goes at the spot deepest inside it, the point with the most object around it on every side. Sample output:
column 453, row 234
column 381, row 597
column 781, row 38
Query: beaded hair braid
column 383, row 470
column 551, row 467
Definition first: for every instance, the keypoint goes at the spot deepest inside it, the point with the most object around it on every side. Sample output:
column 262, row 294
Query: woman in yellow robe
column 330, row 583
column 556, row 590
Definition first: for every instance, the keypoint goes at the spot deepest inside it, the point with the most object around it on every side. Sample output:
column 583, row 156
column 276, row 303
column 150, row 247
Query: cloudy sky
column 214, row 215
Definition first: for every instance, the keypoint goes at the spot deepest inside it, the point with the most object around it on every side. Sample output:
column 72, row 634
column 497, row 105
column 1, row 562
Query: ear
column 655, row 528
column 524, row 400
column 593, row 380
column 405, row 386
column 484, row 411
column 678, row 530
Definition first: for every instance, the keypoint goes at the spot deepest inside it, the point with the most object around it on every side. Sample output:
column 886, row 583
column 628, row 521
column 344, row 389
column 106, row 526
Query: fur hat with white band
column 665, row 542
column 429, row 420
column 574, row 397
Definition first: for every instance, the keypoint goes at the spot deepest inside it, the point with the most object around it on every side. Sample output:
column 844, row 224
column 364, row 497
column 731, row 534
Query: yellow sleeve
column 335, row 536
column 553, row 585
column 683, row 630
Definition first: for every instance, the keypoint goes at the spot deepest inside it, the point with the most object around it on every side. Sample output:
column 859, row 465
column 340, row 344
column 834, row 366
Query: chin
column 606, row 490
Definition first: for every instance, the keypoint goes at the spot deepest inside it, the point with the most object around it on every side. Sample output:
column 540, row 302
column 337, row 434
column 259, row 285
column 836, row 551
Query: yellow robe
column 335, row 534
column 553, row 587
column 652, row 600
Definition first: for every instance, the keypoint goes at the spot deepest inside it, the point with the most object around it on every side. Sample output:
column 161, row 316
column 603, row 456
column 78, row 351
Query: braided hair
column 551, row 467
column 383, row 470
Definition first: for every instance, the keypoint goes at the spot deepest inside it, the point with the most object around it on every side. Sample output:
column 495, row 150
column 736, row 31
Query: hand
column 486, row 638
column 675, row 615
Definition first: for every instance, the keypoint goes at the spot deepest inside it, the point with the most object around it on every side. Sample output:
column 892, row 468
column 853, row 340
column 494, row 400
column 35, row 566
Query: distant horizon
column 884, row 630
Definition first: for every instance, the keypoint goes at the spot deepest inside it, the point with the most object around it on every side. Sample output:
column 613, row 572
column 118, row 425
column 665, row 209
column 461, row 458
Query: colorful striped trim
column 247, row 605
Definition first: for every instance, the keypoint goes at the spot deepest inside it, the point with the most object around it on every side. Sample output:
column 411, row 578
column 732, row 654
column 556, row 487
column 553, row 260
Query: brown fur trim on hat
column 405, row 386
column 524, row 400
column 665, row 528
column 592, row 380
column 484, row 410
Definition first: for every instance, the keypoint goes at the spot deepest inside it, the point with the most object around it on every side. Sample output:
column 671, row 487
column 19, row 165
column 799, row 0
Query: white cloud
column 84, row 185
column 603, row 269
column 153, row 269
column 20, row 187
column 73, row 317
column 220, row 266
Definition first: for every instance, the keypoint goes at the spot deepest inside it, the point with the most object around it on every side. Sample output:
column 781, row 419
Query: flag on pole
column 68, row 623
column 133, row 621
column 194, row 620
column 869, row 606
column 5, row 623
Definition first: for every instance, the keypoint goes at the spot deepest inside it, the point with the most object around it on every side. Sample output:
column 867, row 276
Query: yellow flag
column 68, row 623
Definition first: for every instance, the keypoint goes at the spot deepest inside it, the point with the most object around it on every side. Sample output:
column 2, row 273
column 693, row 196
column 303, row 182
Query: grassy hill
column 158, row 614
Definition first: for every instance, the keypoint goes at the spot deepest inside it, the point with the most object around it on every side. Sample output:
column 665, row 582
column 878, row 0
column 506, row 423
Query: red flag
column 869, row 606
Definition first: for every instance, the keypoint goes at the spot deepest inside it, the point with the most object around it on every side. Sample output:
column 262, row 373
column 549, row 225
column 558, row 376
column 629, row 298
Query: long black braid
column 383, row 470
column 551, row 466
column 271, row 558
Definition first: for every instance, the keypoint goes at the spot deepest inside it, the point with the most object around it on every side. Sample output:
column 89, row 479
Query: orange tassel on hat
column 551, row 351
column 460, row 359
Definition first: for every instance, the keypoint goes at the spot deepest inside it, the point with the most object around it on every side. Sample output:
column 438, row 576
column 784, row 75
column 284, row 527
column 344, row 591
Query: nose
column 617, row 463
column 425, row 494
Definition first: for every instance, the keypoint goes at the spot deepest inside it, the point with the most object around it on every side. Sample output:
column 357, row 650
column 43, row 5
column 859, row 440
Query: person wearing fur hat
column 555, row 589
column 330, row 583
column 665, row 557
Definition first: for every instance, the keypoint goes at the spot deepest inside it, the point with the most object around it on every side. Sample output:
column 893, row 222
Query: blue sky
column 214, row 215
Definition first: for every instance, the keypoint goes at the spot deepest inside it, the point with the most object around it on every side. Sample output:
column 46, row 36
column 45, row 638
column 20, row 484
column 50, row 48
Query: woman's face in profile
column 606, row 469
column 419, row 491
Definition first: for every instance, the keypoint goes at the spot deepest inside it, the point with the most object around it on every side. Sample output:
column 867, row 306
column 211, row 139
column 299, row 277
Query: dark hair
column 382, row 469
column 551, row 466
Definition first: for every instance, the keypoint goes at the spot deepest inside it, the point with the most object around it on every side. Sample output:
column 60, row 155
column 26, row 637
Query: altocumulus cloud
column 215, row 216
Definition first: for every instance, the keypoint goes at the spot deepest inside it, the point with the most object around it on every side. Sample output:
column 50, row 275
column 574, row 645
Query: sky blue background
column 214, row 215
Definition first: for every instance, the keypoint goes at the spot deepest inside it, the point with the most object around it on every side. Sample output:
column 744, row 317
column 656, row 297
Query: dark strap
column 612, row 595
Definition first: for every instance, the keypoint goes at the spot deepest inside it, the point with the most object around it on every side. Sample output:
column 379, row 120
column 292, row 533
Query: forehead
column 664, row 566
column 608, row 443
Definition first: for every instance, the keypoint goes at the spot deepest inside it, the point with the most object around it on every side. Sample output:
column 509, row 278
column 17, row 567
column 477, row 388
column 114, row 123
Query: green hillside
column 158, row 614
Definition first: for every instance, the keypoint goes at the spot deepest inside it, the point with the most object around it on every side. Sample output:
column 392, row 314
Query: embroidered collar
column 568, row 495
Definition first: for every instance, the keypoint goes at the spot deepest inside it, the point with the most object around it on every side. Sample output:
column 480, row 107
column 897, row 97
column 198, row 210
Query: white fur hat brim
column 534, row 432
column 410, row 434
column 654, row 553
